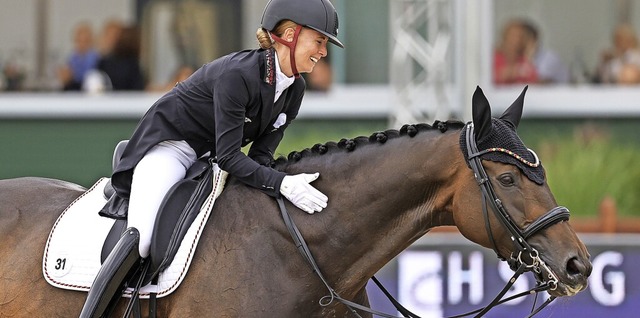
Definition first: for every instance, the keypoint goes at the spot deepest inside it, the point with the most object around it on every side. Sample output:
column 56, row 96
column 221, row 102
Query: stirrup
column 108, row 285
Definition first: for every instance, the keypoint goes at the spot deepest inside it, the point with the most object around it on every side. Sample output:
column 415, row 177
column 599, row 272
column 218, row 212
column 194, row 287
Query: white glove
column 297, row 189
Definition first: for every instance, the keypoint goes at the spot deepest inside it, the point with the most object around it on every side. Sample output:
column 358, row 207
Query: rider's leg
column 163, row 166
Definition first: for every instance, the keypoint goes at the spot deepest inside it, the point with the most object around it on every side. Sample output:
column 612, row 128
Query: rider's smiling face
column 311, row 47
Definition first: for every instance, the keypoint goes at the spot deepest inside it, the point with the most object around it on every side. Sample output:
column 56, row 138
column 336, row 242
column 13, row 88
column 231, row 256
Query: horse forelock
column 379, row 137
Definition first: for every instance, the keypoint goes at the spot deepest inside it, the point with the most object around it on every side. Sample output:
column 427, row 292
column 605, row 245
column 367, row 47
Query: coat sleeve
column 230, row 97
column 263, row 148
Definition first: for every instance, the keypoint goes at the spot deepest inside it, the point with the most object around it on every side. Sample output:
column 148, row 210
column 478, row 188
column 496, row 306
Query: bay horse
column 385, row 191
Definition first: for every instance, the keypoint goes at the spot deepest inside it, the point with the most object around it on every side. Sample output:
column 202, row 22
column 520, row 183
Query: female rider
column 244, row 97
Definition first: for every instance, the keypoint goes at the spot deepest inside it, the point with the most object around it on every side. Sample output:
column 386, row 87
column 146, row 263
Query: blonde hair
column 265, row 41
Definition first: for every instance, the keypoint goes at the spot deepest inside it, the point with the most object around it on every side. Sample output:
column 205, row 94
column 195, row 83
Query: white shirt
column 282, row 81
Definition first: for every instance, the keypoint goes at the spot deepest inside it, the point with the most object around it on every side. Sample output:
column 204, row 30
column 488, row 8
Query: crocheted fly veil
column 498, row 137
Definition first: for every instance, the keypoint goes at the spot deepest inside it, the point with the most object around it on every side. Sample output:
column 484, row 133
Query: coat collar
column 269, row 72
column 268, row 90
column 268, row 87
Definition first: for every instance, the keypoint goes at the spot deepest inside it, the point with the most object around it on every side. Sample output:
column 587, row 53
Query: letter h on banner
column 458, row 276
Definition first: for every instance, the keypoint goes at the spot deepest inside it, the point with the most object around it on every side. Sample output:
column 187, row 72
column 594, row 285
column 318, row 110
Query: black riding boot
column 108, row 285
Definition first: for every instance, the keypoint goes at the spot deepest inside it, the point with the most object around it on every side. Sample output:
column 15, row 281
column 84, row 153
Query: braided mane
column 351, row 144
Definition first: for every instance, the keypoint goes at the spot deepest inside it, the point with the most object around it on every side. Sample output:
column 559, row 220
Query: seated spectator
column 511, row 64
column 109, row 36
column 629, row 75
column 83, row 59
column 549, row 66
column 122, row 65
column 619, row 64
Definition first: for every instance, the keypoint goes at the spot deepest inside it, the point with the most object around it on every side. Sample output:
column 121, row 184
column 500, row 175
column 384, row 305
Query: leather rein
column 524, row 258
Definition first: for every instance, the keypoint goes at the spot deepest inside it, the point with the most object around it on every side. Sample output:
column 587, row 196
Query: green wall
column 80, row 150
column 73, row 150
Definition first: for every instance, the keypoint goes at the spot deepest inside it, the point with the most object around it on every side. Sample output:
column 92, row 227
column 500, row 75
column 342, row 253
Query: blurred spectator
column 12, row 77
column 109, row 36
column 83, row 59
column 619, row 65
column 180, row 74
column 511, row 64
column 549, row 66
column 122, row 64
column 629, row 74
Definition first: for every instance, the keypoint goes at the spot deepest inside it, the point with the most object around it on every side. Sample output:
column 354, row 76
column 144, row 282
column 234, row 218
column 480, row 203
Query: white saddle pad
column 72, row 254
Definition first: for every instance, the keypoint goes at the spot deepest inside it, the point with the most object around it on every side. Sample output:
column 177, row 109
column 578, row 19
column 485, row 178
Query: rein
column 517, row 261
column 301, row 244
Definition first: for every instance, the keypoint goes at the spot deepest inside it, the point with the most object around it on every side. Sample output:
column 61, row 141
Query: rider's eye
column 506, row 179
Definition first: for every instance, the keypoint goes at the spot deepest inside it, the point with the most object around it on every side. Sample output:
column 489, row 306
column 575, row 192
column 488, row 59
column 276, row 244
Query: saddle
column 177, row 212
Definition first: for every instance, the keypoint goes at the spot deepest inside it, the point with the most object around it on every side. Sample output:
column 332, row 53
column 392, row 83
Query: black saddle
column 179, row 208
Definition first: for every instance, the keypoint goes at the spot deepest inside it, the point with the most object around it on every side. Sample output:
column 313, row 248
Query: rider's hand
column 297, row 189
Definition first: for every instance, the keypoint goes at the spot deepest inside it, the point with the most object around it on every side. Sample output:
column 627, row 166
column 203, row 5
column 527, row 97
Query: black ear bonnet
column 503, row 136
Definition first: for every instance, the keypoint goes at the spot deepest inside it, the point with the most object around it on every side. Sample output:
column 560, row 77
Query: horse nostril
column 575, row 267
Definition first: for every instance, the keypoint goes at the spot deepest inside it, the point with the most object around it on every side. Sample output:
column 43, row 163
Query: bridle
column 524, row 258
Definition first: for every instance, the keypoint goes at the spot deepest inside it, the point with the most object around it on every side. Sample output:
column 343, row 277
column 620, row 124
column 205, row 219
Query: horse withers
column 385, row 192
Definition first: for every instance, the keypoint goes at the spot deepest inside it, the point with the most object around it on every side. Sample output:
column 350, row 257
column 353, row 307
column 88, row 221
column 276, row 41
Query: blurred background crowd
column 138, row 45
column 520, row 57
column 145, row 45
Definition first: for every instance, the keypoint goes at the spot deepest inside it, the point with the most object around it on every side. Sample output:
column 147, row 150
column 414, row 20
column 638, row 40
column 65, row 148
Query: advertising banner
column 443, row 275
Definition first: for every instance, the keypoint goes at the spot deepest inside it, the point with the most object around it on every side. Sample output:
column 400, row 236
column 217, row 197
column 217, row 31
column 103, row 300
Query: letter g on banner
column 607, row 288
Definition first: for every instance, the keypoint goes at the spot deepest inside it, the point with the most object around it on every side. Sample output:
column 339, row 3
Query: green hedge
column 581, row 173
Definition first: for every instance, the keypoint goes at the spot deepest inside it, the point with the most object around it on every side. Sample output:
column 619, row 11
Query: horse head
column 514, row 211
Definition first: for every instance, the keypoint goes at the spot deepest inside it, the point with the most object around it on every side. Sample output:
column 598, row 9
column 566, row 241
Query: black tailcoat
column 223, row 106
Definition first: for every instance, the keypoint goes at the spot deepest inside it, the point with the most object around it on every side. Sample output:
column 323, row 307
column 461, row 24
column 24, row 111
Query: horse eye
column 506, row 179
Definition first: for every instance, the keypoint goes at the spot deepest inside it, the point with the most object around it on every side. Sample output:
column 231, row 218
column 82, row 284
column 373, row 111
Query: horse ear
column 481, row 112
column 514, row 112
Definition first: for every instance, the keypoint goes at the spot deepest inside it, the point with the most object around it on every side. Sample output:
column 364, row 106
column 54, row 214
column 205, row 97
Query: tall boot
column 117, row 267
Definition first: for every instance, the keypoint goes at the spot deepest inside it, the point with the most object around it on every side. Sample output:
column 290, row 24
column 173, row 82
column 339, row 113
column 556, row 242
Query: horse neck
column 382, row 198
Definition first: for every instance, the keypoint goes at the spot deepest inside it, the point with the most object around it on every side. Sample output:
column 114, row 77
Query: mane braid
column 349, row 145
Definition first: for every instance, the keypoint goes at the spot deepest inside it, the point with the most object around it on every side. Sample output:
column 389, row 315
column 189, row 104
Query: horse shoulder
column 28, row 208
column 26, row 203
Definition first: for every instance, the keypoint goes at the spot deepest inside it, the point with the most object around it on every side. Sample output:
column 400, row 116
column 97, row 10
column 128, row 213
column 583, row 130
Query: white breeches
column 160, row 168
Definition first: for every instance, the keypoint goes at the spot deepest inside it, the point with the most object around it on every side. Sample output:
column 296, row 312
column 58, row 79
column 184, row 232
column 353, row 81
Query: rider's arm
column 230, row 97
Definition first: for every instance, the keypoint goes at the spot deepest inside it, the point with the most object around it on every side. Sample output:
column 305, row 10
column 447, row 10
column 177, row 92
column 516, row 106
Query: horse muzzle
column 571, row 279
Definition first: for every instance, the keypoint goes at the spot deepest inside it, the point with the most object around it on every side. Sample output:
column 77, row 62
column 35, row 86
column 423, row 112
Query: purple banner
column 444, row 274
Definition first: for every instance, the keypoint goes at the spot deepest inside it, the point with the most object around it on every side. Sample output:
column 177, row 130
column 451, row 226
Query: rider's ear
column 481, row 112
column 514, row 112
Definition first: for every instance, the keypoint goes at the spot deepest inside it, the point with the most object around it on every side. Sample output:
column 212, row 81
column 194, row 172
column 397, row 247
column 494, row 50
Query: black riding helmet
column 319, row 15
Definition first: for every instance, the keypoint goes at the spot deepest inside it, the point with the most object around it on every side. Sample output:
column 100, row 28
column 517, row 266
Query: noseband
column 524, row 257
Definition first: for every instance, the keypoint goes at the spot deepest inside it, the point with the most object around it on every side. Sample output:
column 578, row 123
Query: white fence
column 351, row 101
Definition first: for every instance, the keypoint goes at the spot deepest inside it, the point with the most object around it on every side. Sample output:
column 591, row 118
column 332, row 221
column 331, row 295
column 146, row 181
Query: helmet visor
column 332, row 38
